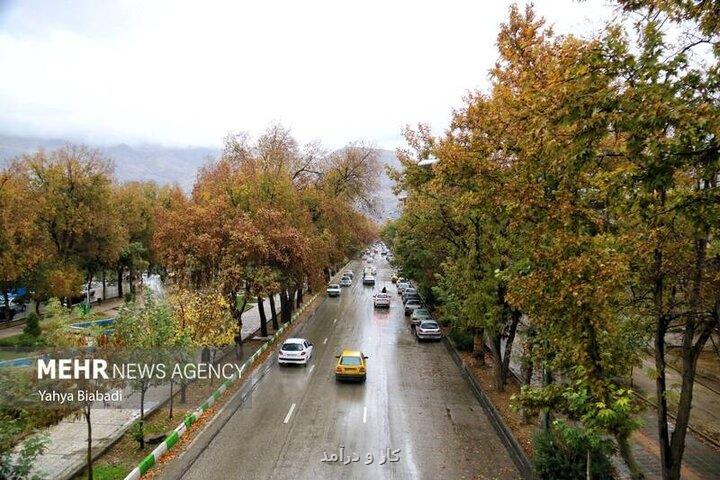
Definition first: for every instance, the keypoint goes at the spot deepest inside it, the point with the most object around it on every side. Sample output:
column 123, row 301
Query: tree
column 21, row 240
column 75, row 209
column 146, row 334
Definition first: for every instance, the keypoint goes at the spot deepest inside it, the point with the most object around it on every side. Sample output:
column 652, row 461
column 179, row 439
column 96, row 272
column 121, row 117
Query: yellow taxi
column 351, row 365
column 394, row 278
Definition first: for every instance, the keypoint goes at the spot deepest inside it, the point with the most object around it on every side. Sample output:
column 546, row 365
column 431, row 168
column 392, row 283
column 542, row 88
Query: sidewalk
column 701, row 460
column 66, row 453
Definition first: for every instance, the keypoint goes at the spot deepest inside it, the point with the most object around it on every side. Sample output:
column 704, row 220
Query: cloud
column 184, row 73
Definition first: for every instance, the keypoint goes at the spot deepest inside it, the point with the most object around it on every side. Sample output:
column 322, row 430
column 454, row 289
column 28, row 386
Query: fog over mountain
column 173, row 164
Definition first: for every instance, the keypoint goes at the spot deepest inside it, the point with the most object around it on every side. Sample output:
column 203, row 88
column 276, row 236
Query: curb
column 521, row 460
column 172, row 439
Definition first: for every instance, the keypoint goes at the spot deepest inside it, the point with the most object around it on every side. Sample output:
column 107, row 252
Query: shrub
column 561, row 454
column 32, row 326
column 17, row 466
column 462, row 339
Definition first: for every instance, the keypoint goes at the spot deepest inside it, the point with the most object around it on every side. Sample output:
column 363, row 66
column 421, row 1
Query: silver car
column 411, row 305
column 428, row 330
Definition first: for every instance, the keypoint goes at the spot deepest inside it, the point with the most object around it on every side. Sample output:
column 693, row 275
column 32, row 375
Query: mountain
column 175, row 165
column 141, row 162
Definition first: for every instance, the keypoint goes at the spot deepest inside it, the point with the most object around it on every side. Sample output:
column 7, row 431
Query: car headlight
column 339, row 370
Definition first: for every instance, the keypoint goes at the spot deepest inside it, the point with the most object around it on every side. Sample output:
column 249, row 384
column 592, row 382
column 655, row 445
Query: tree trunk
column 89, row 284
column 89, row 442
column 479, row 344
column 171, row 398
column 495, row 347
column 299, row 295
column 527, row 361
column 545, row 414
column 661, row 324
column 132, row 280
column 273, row 313
column 263, row 319
column 120, row 272
column 142, row 416
column 104, row 286
column 515, row 320
column 237, row 312
column 690, row 354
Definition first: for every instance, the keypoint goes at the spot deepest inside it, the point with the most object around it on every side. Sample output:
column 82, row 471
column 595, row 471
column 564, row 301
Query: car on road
column 414, row 296
column 350, row 274
column 295, row 351
column 345, row 281
column 394, row 278
column 408, row 292
column 428, row 330
column 351, row 365
column 418, row 315
column 381, row 300
column 333, row 290
column 401, row 286
column 368, row 280
column 411, row 305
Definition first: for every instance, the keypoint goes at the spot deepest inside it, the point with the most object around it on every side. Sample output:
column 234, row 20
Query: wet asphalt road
column 414, row 400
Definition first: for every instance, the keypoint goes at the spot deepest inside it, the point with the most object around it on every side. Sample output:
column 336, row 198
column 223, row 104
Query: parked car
column 350, row 274
column 418, row 315
column 333, row 290
column 368, row 280
column 414, row 296
column 409, row 291
column 401, row 286
column 295, row 350
column 411, row 305
column 345, row 281
column 381, row 300
column 428, row 330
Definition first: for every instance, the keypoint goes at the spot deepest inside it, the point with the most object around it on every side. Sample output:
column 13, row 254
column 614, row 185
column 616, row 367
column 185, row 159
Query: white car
column 368, row 280
column 333, row 290
column 295, row 350
column 401, row 286
column 381, row 300
column 428, row 330
column 345, row 281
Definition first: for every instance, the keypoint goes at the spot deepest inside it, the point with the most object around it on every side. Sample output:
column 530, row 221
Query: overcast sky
column 186, row 73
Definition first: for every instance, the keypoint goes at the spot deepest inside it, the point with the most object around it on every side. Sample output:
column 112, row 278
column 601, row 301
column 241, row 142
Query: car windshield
column 429, row 325
column 413, row 302
column 421, row 311
column 334, row 285
column 350, row 361
column 292, row 347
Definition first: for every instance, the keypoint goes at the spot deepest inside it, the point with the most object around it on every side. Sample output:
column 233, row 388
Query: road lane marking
column 287, row 417
column 311, row 369
column 364, row 414
column 325, row 341
column 334, row 320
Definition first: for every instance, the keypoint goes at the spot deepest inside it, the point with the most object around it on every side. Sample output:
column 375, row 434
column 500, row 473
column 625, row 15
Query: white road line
column 325, row 341
column 287, row 417
column 364, row 414
column 312, row 367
